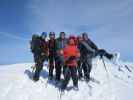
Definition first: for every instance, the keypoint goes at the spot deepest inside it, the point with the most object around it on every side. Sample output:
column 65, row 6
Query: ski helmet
column 73, row 38
column 52, row 34
column 44, row 34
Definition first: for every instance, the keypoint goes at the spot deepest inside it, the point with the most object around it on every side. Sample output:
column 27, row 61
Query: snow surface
column 115, row 84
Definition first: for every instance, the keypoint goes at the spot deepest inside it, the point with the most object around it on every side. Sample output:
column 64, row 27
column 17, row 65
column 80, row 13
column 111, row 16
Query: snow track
column 16, row 84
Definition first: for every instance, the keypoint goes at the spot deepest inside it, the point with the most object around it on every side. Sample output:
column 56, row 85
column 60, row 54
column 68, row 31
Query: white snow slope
column 117, row 84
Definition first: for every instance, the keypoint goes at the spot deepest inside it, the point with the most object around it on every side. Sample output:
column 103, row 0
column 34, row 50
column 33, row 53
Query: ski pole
column 46, row 84
column 105, row 67
column 109, row 82
column 60, row 94
column 33, row 68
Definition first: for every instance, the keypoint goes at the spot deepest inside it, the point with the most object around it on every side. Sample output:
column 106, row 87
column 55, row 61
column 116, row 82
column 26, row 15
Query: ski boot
column 75, row 88
column 35, row 79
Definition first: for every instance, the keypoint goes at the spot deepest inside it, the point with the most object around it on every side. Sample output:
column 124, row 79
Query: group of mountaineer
column 70, row 57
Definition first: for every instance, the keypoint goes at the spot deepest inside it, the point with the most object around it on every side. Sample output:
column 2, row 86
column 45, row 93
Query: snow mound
column 114, row 84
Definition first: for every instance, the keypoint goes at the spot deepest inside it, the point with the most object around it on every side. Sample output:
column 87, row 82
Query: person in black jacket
column 88, row 51
column 37, row 47
column 61, row 42
column 52, row 53
column 79, row 62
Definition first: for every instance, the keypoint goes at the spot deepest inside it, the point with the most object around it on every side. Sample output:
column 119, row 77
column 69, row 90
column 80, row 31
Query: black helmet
column 51, row 34
column 62, row 33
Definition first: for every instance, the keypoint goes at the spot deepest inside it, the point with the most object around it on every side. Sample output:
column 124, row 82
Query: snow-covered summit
column 114, row 84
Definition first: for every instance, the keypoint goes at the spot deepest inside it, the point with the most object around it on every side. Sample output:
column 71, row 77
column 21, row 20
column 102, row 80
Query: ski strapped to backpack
column 88, row 47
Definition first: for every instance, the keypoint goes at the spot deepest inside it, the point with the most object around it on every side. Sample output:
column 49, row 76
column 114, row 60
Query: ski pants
column 51, row 64
column 70, row 71
column 58, row 67
column 38, row 64
column 87, row 66
column 79, row 67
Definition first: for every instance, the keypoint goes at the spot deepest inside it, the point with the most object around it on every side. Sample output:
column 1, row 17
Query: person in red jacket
column 70, row 54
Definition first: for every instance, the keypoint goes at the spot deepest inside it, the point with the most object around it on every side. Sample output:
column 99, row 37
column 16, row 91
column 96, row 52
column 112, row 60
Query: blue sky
column 108, row 23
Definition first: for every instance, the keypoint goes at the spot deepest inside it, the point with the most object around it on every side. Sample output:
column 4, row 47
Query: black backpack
column 36, row 44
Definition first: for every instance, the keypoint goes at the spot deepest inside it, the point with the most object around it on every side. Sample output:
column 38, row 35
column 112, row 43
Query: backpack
column 35, row 44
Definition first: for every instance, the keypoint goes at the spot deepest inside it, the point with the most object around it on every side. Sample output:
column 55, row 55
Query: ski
column 127, row 68
column 90, row 88
column 69, row 88
column 60, row 93
column 94, row 80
